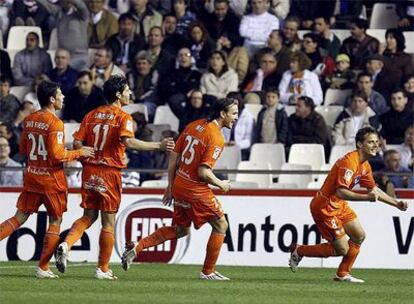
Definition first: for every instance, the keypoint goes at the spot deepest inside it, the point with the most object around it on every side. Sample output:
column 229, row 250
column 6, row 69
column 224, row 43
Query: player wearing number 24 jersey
column 109, row 130
column 332, row 214
column 42, row 142
column 189, row 174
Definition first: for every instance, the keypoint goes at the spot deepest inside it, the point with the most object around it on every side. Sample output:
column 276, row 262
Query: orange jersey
column 201, row 143
column 347, row 172
column 103, row 129
column 43, row 143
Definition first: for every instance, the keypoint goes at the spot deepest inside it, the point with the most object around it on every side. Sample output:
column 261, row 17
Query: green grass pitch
column 160, row 283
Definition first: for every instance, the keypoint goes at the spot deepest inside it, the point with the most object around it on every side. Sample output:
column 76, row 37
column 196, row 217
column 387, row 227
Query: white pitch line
column 33, row 266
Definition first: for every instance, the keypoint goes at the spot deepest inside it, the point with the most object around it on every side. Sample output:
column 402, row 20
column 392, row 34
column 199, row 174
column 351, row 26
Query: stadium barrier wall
column 262, row 224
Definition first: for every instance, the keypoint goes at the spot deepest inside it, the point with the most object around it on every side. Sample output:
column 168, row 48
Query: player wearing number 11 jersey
column 110, row 131
column 189, row 175
column 42, row 142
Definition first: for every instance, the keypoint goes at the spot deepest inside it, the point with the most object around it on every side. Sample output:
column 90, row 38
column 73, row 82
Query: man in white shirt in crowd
column 8, row 178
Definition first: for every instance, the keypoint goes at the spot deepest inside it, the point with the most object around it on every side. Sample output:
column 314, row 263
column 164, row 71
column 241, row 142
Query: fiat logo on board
column 142, row 218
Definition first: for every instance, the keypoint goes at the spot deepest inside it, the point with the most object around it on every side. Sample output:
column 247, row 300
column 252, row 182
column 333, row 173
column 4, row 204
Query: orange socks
column 50, row 242
column 77, row 230
column 213, row 250
column 8, row 227
column 348, row 260
column 323, row 250
column 159, row 236
column 106, row 244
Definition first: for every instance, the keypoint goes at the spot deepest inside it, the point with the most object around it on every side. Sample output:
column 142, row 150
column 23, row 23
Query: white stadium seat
column 290, row 110
column 336, row 97
column 341, row 34
column 301, row 33
column 17, row 36
column 12, row 54
column 322, row 176
column 70, row 128
column 19, row 91
column 254, row 109
column 274, row 154
column 53, row 41
column 338, row 151
column 263, row 180
column 383, row 16
column 315, row 185
column 164, row 115
column 157, row 130
column 157, row 183
column 307, row 154
column 284, row 186
column 329, row 113
column 136, row 107
column 52, row 54
column 301, row 180
column 377, row 33
column 244, row 185
column 409, row 42
column 229, row 159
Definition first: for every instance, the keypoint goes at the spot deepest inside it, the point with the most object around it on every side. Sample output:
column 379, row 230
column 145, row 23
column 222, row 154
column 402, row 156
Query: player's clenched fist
column 225, row 185
column 167, row 144
column 402, row 205
column 87, row 152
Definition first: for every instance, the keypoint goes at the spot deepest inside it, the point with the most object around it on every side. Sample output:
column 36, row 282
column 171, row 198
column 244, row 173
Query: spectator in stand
column 103, row 67
column 279, row 8
column 409, row 90
column 143, row 81
column 31, row 61
column 164, row 7
column 397, row 119
column 71, row 24
column 219, row 80
column 119, row 6
column 5, row 10
column 161, row 158
column 290, row 34
column 345, row 12
column 266, row 76
column 359, row 45
column 8, row 178
column 5, row 66
column 178, row 84
column 272, row 120
column 6, row 130
column 194, row 108
column 9, row 104
column 280, row 51
column 172, row 40
column 407, row 149
column 82, row 98
column 256, row 27
column 102, row 24
column 31, row 97
column 126, row 43
column 329, row 41
column 201, row 44
column 405, row 10
column 398, row 61
column 383, row 79
column 184, row 16
column 299, row 81
column 145, row 16
column 375, row 100
column 28, row 13
column 63, row 73
column 322, row 64
column 392, row 161
column 162, row 60
column 358, row 115
column 308, row 10
column 342, row 77
column 306, row 125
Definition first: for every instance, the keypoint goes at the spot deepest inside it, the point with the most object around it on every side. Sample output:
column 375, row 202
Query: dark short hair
column 114, row 85
column 219, row 105
column 360, row 94
column 45, row 90
column 34, row 34
column 85, row 73
column 169, row 15
column 364, row 74
column 399, row 90
column 360, row 23
column 314, row 37
column 308, row 101
column 303, row 60
column 388, row 153
column 221, row 1
column 362, row 134
column 273, row 90
column 156, row 27
column 4, row 78
column 399, row 37
column 325, row 19
column 126, row 16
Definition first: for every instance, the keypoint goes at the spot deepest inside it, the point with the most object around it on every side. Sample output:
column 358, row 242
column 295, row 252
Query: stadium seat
column 70, row 128
column 263, row 180
column 12, row 54
column 301, row 33
column 322, row 176
column 229, row 159
column 157, row 130
column 156, row 183
column 17, row 36
column 274, row 154
column 52, row 56
column 409, row 42
column 244, row 185
column 341, row 34
column 91, row 55
column 254, row 109
column 290, row 110
column 315, row 185
column 383, row 16
column 301, row 180
column 284, row 186
column 338, row 151
column 1, row 40
column 329, row 113
column 136, row 107
column 336, row 97
column 393, row 147
column 307, row 154
column 53, row 41
column 19, row 91
column 377, row 33
column 164, row 115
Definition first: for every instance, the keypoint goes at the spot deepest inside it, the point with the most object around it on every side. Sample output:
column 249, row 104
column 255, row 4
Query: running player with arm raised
column 332, row 214
column 189, row 176
column 44, row 182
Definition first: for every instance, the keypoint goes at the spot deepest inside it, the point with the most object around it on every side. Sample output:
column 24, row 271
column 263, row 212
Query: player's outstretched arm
column 167, row 144
column 206, row 174
column 385, row 198
column 349, row 195
column 172, row 167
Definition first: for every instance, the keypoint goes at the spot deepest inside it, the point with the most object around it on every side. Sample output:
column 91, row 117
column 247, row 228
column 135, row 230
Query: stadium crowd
column 282, row 55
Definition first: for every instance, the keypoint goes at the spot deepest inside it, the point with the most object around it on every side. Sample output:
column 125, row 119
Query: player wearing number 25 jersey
column 42, row 142
column 332, row 214
column 109, row 130
column 189, row 175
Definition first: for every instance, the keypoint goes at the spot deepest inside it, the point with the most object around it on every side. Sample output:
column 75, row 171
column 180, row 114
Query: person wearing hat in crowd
column 342, row 77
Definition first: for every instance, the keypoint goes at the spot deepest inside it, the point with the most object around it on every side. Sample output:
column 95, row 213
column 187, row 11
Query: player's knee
column 21, row 217
column 221, row 226
column 342, row 250
column 55, row 221
column 359, row 239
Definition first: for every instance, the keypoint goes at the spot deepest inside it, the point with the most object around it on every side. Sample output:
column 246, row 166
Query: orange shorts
column 55, row 203
column 330, row 218
column 196, row 210
column 101, row 188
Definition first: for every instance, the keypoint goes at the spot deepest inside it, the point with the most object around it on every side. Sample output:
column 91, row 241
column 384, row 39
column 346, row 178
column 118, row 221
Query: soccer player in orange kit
column 110, row 131
column 44, row 182
column 332, row 214
column 189, row 175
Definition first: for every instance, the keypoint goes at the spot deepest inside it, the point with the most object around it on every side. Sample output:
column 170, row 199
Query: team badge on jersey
column 216, row 153
column 348, row 175
column 60, row 138
column 129, row 125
